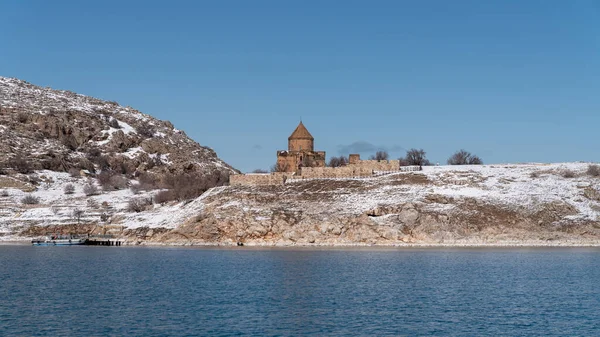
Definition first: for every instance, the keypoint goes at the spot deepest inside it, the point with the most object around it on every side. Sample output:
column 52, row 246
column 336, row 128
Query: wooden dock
column 102, row 240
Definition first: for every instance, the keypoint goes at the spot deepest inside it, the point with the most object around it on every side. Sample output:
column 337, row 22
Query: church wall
column 287, row 161
column 252, row 179
column 300, row 145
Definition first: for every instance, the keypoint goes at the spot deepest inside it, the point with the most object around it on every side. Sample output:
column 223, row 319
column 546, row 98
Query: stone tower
column 300, row 153
column 301, row 139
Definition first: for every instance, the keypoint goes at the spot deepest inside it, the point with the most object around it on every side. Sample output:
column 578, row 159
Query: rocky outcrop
column 58, row 130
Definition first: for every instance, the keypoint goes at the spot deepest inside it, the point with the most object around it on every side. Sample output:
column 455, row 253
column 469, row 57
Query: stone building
column 301, row 161
column 300, row 152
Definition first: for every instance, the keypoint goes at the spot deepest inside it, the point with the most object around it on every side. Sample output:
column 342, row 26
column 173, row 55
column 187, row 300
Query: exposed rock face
column 58, row 130
column 485, row 206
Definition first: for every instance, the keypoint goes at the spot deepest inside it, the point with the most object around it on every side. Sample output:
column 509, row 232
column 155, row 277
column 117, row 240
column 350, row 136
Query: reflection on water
column 100, row 291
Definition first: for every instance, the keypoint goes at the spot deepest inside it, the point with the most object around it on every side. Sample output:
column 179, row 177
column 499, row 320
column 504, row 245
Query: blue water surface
column 117, row 291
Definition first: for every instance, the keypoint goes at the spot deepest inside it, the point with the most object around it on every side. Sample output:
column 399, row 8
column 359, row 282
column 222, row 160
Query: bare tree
column 380, row 155
column 415, row 157
column 593, row 170
column 138, row 204
column 568, row 174
column 463, row 157
column 90, row 189
column 104, row 217
column 338, row 161
column 77, row 214
column 279, row 167
column 69, row 189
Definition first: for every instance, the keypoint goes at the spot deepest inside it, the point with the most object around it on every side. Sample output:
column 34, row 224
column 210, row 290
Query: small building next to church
column 300, row 153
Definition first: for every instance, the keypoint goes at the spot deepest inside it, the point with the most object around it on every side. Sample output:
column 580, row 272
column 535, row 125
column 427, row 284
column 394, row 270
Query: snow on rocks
column 520, row 185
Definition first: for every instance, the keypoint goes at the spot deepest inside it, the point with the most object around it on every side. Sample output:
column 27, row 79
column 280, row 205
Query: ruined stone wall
column 252, row 179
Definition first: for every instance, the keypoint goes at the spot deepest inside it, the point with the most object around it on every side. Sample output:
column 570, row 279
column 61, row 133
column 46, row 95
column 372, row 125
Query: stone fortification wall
column 378, row 165
column 275, row 178
column 349, row 171
column 361, row 168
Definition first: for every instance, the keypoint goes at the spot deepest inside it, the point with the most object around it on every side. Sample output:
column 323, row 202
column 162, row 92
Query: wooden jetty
column 102, row 240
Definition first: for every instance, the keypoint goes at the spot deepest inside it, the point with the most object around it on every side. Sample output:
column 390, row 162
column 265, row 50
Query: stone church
column 300, row 152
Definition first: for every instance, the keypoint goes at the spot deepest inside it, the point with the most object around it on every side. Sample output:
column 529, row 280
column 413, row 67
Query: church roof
column 301, row 133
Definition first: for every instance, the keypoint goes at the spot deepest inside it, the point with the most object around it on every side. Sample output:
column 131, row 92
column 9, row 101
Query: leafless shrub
column 463, row 157
column 84, row 164
column 138, row 204
column 567, row 174
column 4, row 193
column 90, row 189
column 74, row 172
column 164, row 196
column 190, row 186
column 114, row 124
column 415, row 157
column 21, row 165
column 147, row 181
column 77, row 214
column 135, row 188
column 92, row 203
column 145, row 130
column 54, row 210
column 69, row 189
column 104, row 178
column 337, row 161
column 33, row 178
column 260, row 171
column 30, row 200
column 534, row 175
column 22, row 117
column 116, row 182
column 593, row 170
column 380, row 155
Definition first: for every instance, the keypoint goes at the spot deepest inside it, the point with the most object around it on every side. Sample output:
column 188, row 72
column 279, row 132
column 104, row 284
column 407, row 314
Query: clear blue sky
column 512, row 81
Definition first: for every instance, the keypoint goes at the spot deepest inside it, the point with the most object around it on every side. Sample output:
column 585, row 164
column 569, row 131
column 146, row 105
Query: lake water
column 116, row 291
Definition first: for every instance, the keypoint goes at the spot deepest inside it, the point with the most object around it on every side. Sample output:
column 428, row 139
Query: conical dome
column 301, row 133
